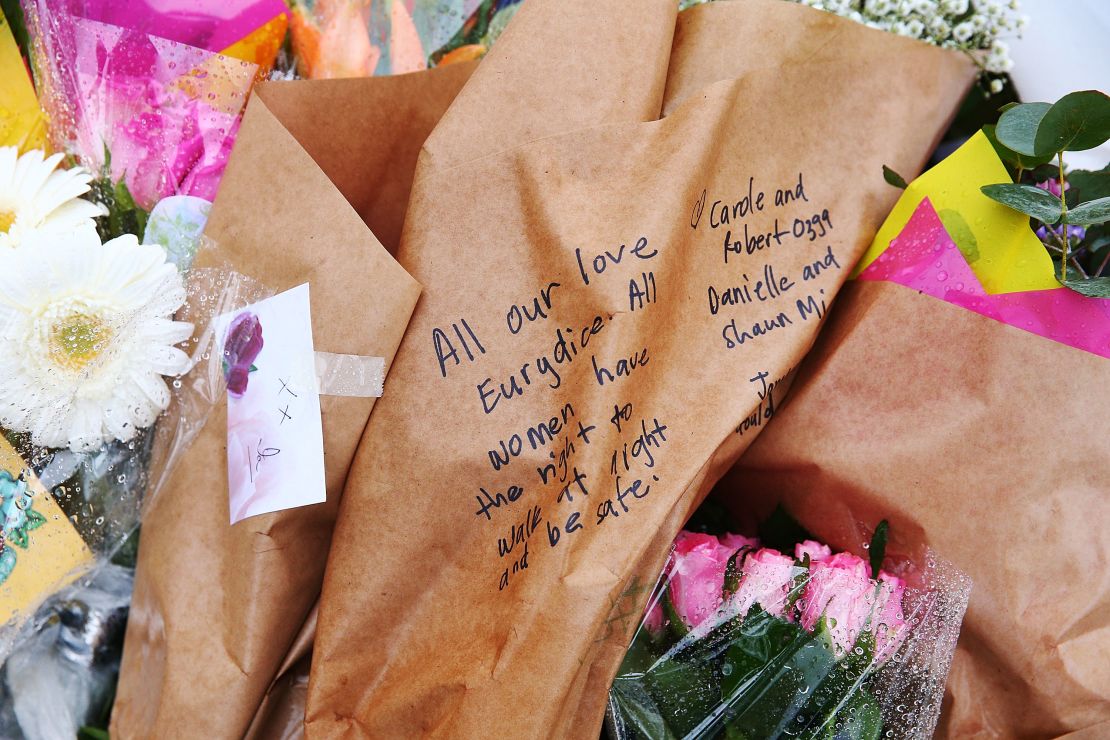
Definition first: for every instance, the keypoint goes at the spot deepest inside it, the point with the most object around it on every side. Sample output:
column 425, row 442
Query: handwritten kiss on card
column 275, row 447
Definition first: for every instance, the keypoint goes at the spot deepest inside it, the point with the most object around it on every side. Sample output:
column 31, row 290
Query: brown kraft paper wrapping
column 217, row 609
column 983, row 442
column 564, row 395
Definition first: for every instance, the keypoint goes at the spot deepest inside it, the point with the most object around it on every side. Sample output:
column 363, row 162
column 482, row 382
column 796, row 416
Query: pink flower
column 839, row 590
column 697, row 576
column 888, row 623
column 815, row 550
column 1053, row 186
column 766, row 579
column 734, row 542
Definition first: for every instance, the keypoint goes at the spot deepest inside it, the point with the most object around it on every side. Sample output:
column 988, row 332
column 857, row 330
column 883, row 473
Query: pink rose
column 815, row 550
column 840, row 590
column 766, row 578
column 734, row 542
column 888, row 623
column 697, row 576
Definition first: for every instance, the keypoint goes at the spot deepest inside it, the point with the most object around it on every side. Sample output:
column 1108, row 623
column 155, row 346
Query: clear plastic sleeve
column 69, row 512
column 745, row 641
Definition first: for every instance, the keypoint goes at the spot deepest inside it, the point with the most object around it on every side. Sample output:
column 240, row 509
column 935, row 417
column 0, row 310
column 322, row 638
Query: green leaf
column 861, row 719
column 1008, row 106
column 732, row 571
column 1040, row 204
column 685, row 684
column 1091, row 185
column 1092, row 287
column 1076, row 122
column 1009, row 156
column 638, row 709
column 1017, row 128
column 781, row 531
column 893, row 178
column 878, row 547
column 92, row 733
column 1043, row 172
column 671, row 613
column 773, row 669
column 1091, row 212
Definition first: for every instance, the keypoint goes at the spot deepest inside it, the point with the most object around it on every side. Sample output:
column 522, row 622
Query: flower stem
column 1063, row 219
column 1102, row 267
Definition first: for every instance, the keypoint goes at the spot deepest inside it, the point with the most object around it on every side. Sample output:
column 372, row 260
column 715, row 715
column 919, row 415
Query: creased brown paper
column 217, row 609
column 605, row 315
column 982, row 442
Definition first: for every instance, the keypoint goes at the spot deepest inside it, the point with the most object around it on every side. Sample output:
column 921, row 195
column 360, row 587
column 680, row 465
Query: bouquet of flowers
column 743, row 641
column 970, row 337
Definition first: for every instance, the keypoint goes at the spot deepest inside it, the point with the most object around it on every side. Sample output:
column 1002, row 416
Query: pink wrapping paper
column 213, row 25
column 924, row 257
column 157, row 114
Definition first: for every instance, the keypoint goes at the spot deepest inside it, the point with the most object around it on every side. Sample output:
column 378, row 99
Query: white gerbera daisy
column 35, row 196
column 88, row 334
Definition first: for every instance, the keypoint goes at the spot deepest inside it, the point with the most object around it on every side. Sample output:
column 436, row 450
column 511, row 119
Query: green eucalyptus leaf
column 1091, row 212
column 893, row 178
column 1040, row 204
column 1017, row 128
column 1076, row 122
column 1009, row 156
column 877, row 550
column 1091, row 184
column 1092, row 287
column 1008, row 106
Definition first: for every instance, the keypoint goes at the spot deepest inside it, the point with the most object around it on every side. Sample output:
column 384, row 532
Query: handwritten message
column 594, row 454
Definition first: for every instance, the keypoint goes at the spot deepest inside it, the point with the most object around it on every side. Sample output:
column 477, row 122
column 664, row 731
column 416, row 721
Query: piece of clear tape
column 354, row 376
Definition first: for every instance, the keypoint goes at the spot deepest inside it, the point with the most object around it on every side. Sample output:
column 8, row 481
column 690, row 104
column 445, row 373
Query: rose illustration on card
column 275, row 449
column 242, row 345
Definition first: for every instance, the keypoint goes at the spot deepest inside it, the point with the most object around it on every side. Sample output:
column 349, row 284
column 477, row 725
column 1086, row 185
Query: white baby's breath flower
column 940, row 28
column 996, row 86
column 963, row 32
column 89, row 334
column 35, row 196
column 998, row 60
column 879, row 7
column 954, row 7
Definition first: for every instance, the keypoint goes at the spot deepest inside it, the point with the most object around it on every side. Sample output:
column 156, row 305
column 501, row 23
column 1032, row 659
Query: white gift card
column 275, row 443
